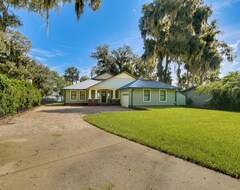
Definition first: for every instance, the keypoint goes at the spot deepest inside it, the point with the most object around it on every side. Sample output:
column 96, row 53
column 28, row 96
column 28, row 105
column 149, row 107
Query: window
column 147, row 95
column 82, row 95
column 73, row 95
column 163, row 95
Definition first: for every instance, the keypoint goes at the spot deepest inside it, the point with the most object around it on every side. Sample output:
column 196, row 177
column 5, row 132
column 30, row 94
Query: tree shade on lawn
column 206, row 137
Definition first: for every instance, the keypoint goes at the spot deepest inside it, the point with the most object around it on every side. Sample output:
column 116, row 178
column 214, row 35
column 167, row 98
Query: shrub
column 17, row 95
column 225, row 92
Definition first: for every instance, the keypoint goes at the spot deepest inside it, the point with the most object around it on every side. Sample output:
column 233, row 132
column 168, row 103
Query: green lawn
column 206, row 137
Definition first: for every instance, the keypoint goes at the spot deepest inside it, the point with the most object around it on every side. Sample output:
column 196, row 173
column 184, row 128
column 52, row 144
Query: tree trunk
column 179, row 74
column 160, row 70
column 165, row 72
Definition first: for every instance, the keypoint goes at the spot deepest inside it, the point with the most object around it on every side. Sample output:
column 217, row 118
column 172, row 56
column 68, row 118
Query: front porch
column 103, row 97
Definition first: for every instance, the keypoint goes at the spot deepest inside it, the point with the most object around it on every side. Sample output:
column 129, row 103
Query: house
column 122, row 89
column 195, row 99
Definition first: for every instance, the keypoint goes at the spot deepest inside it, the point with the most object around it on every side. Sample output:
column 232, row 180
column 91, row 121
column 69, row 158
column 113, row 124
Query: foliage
column 43, row 6
column 117, row 61
column 206, row 137
column 43, row 78
column 59, row 83
column 7, row 18
column 83, row 78
column 179, row 31
column 189, row 101
column 14, row 60
column 71, row 74
column 17, row 95
column 225, row 92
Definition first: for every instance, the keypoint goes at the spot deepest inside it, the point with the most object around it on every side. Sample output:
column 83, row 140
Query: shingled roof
column 142, row 83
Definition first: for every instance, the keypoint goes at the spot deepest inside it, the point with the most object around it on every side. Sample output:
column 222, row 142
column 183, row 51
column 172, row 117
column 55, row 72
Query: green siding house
column 122, row 89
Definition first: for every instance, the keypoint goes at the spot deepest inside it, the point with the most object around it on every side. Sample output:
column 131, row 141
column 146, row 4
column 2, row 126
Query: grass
column 206, row 137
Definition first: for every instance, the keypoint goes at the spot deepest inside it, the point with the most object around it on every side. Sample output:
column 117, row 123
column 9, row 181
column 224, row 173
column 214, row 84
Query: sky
column 69, row 42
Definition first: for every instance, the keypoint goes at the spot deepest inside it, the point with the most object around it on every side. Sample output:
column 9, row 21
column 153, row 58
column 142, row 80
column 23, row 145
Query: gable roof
column 116, row 76
column 82, row 85
column 188, row 89
column 142, row 83
column 103, row 76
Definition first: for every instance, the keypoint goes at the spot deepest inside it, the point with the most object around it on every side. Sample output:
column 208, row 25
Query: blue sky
column 70, row 42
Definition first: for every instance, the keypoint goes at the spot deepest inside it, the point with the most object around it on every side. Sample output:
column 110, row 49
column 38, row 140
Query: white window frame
column 71, row 95
column 160, row 95
column 150, row 95
column 84, row 94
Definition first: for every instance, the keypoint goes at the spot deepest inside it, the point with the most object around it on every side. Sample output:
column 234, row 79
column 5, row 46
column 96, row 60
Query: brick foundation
column 96, row 102
column 114, row 101
column 90, row 102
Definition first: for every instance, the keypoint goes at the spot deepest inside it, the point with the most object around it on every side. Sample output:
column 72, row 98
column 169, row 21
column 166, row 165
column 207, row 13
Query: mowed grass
column 207, row 137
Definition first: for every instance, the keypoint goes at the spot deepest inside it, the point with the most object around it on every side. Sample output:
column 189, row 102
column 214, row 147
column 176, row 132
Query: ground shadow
column 85, row 109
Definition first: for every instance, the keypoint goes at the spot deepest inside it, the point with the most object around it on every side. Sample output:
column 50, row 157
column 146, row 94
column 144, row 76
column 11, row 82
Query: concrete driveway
column 53, row 148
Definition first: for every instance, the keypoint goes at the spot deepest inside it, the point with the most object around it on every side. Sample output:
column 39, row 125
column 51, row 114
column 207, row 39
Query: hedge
column 16, row 96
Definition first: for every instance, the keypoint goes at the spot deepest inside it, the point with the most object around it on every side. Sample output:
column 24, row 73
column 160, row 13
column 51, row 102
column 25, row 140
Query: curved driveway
column 53, row 148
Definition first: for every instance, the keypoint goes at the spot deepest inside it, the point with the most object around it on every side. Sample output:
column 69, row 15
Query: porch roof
column 82, row 85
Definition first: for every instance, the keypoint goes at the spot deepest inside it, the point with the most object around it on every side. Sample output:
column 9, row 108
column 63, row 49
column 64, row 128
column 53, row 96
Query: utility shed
column 198, row 100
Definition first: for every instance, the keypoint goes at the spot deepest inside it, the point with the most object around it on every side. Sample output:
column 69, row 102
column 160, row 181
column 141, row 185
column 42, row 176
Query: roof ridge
column 134, row 82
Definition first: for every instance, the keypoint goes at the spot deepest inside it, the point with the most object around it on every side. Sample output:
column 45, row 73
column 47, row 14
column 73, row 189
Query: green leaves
column 44, row 6
column 225, row 92
column 117, row 61
column 181, row 31
column 16, row 95
column 71, row 74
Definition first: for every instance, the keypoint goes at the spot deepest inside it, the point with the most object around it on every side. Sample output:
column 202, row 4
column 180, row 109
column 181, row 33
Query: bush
column 189, row 101
column 17, row 95
column 225, row 92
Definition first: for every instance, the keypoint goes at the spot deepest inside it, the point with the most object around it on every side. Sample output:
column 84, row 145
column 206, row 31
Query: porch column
column 95, row 95
column 89, row 94
column 114, row 94
column 89, row 97
column 96, row 98
column 114, row 102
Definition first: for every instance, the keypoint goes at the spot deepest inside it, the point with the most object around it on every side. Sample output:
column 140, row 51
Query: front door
column 104, row 96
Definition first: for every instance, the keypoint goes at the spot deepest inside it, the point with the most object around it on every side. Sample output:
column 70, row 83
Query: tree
column 14, row 60
column 104, row 62
column 43, row 6
column 42, row 78
column 71, row 74
column 179, row 31
column 84, row 78
column 225, row 92
column 117, row 61
column 7, row 18
column 59, row 83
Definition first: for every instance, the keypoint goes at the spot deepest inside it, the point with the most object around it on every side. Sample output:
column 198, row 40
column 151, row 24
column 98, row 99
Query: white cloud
column 218, row 5
column 231, row 33
column 59, row 67
column 47, row 54
column 85, row 71
column 231, row 66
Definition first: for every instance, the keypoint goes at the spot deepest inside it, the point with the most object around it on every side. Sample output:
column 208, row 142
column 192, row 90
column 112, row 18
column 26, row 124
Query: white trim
column 150, row 95
column 71, row 95
column 165, row 95
column 80, row 95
